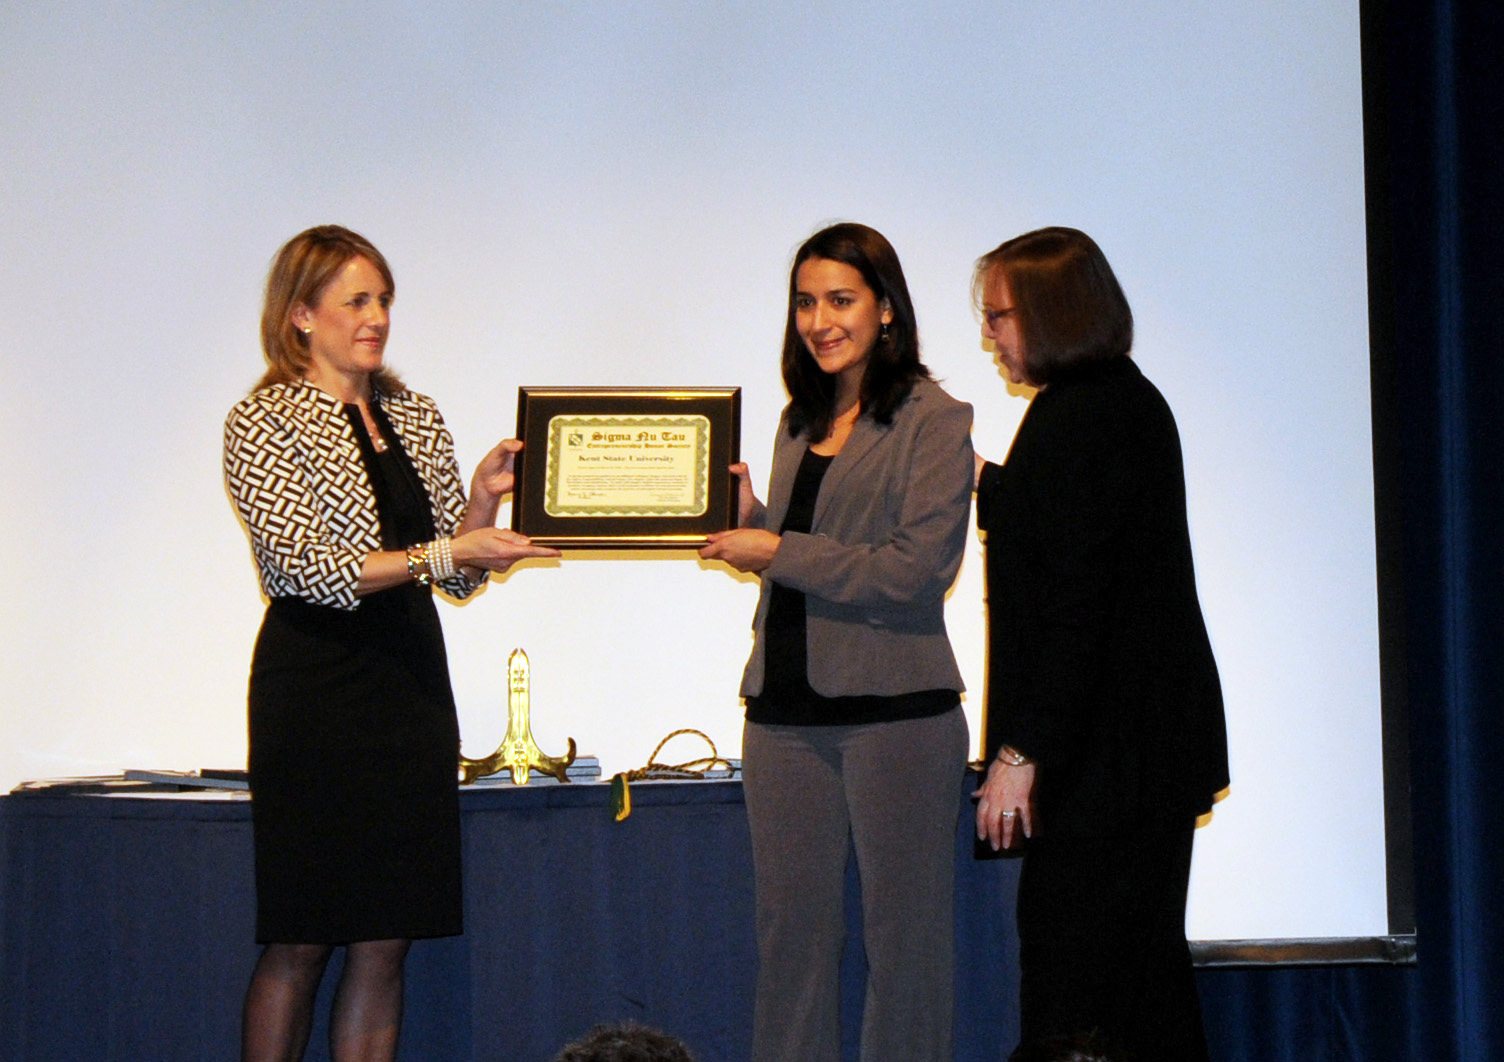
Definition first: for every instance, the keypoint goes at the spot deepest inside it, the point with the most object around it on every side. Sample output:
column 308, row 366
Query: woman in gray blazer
column 854, row 734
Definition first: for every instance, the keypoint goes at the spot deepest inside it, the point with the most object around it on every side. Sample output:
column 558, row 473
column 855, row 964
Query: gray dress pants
column 892, row 790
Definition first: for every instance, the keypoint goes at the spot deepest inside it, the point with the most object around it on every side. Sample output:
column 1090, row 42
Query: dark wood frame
column 536, row 408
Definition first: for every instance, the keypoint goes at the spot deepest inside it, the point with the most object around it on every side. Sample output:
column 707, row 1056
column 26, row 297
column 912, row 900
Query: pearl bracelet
column 441, row 558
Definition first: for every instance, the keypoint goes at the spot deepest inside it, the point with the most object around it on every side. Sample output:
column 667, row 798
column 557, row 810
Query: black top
column 406, row 516
column 1099, row 665
column 787, row 698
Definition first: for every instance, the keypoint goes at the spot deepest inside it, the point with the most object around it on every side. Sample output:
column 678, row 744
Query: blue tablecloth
column 128, row 923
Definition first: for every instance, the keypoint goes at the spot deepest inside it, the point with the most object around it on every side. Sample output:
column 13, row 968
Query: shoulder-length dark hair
column 1071, row 309
column 892, row 366
column 299, row 274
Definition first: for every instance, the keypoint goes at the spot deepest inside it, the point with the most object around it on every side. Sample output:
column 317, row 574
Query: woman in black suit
column 1105, row 728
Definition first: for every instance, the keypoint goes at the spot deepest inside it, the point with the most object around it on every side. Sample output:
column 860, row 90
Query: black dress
column 354, row 749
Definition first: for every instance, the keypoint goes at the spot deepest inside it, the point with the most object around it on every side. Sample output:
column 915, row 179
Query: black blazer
column 1099, row 664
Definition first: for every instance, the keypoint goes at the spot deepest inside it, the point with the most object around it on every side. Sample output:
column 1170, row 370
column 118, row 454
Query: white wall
column 607, row 193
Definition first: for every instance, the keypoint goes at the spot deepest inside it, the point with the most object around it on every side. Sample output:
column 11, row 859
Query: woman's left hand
column 1005, row 805
column 747, row 549
column 493, row 476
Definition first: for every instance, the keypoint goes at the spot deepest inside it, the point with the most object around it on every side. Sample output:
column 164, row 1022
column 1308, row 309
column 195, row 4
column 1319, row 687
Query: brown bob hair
column 299, row 274
column 1071, row 310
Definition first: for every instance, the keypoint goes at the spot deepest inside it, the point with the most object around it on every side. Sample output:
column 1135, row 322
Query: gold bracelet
column 417, row 565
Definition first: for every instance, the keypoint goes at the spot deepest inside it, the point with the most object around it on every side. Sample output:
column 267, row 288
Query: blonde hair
column 300, row 272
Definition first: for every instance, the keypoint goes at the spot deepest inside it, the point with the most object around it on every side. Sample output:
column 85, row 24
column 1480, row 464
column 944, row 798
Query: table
column 128, row 927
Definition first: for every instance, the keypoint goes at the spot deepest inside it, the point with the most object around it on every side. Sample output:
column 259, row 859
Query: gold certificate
column 634, row 467
column 628, row 466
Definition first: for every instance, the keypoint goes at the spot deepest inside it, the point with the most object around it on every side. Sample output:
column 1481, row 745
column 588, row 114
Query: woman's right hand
column 746, row 499
column 496, row 549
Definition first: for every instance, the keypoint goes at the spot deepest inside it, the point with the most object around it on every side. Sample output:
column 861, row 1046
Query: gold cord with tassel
column 621, row 793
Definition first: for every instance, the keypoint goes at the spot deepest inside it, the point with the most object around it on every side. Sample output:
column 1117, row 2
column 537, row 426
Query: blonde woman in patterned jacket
column 348, row 487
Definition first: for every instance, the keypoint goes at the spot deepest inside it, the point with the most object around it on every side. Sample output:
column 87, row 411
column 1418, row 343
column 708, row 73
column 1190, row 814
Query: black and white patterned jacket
column 294, row 470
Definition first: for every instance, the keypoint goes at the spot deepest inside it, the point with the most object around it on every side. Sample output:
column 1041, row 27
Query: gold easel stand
column 519, row 751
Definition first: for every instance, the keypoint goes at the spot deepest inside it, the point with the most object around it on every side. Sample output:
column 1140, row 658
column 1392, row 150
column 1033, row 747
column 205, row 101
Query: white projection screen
column 609, row 194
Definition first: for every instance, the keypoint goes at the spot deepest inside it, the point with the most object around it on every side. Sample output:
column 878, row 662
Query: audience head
column 625, row 1042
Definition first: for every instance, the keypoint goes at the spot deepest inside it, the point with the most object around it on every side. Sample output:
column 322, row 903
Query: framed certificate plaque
column 626, row 467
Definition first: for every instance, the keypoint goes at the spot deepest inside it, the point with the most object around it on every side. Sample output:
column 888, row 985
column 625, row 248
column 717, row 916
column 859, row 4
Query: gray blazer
column 886, row 543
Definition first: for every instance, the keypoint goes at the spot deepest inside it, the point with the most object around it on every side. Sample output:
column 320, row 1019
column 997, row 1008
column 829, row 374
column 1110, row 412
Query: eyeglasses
column 992, row 317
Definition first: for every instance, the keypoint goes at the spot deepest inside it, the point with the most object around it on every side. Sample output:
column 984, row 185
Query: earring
column 884, row 335
column 308, row 331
